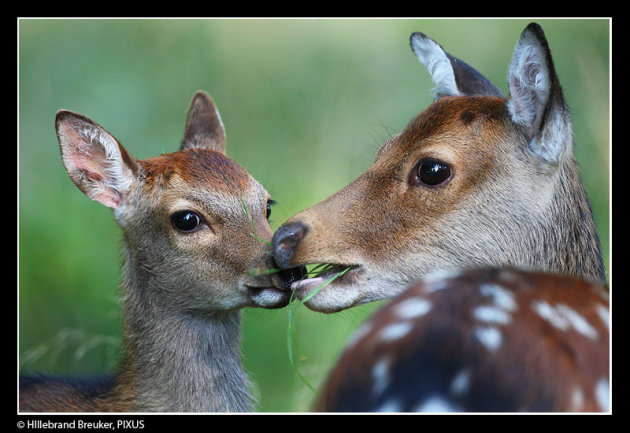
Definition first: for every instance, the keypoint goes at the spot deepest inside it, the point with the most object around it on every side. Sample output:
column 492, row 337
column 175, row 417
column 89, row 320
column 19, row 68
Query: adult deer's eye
column 185, row 221
column 433, row 172
column 269, row 203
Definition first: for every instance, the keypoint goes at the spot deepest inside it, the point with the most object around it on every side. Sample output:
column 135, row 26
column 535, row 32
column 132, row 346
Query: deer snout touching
column 285, row 241
column 474, row 180
column 284, row 279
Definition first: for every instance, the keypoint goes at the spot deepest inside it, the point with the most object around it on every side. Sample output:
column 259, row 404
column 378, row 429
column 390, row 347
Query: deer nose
column 284, row 242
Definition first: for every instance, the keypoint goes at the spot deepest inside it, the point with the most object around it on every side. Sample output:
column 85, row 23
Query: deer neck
column 178, row 361
column 566, row 240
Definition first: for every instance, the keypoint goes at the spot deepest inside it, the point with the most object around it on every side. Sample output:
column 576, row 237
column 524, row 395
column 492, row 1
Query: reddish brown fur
column 449, row 114
column 188, row 220
column 536, row 367
column 473, row 182
column 500, row 206
column 201, row 167
column 382, row 192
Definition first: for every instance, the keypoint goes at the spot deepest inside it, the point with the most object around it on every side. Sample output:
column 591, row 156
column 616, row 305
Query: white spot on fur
column 577, row 400
column 391, row 405
column 460, row 383
column 492, row 315
column 436, row 404
column 380, row 376
column 395, row 331
column 604, row 314
column 412, row 308
column 548, row 313
column 490, row 337
column 501, row 297
column 579, row 323
column 602, row 394
column 564, row 318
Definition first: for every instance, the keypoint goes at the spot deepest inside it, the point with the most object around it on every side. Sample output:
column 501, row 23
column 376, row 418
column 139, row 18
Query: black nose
column 284, row 242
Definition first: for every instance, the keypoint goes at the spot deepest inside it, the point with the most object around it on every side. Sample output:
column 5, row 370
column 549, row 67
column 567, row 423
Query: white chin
column 340, row 295
column 270, row 298
column 331, row 298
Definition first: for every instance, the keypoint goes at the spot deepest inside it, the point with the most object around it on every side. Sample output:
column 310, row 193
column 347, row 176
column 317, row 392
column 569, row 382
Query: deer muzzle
column 285, row 241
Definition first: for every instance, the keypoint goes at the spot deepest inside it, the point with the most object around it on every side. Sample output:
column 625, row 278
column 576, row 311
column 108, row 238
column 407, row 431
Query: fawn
column 192, row 223
column 475, row 181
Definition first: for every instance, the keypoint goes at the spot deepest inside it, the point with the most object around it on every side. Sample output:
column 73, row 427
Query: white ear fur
column 535, row 96
column 451, row 76
column 434, row 59
column 94, row 160
column 529, row 83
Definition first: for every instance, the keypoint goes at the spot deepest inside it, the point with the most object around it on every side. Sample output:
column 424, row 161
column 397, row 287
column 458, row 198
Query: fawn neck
column 187, row 219
column 180, row 360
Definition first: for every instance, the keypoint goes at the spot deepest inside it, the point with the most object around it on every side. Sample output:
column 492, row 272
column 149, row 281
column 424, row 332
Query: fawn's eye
column 269, row 203
column 433, row 172
column 185, row 221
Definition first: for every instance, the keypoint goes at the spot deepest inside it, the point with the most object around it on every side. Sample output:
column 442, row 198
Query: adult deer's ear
column 536, row 102
column 204, row 128
column 451, row 76
column 95, row 161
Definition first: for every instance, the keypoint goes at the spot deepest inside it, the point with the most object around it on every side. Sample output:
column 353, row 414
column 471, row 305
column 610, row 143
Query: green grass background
column 306, row 103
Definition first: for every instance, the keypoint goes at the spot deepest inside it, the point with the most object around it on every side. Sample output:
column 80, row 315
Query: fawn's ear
column 204, row 128
column 536, row 102
column 95, row 161
column 451, row 76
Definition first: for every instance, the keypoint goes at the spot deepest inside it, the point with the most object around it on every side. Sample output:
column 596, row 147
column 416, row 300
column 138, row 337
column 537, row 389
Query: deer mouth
column 271, row 288
column 325, row 275
column 268, row 297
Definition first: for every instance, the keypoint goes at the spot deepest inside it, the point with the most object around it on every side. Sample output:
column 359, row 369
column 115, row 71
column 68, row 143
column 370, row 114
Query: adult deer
column 192, row 225
column 475, row 181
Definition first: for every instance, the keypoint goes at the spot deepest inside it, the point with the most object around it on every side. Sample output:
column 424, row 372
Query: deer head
column 474, row 180
column 194, row 221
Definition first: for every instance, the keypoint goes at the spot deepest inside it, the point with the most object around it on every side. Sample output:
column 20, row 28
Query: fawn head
column 474, row 180
column 194, row 221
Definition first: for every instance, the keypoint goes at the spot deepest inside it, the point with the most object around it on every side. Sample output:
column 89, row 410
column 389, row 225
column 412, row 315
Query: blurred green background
column 306, row 103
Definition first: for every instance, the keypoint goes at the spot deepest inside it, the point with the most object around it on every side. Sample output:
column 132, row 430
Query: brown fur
column 201, row 167
column 535, row 367
column 182, row 290
column 387, row 203
column 510, row 218
column 512, row 199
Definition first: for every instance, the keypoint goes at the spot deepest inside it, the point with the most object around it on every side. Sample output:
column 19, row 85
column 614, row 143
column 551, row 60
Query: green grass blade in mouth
column 292, row 340
column 324, row 284
column 321, row 269
column 254, row 272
